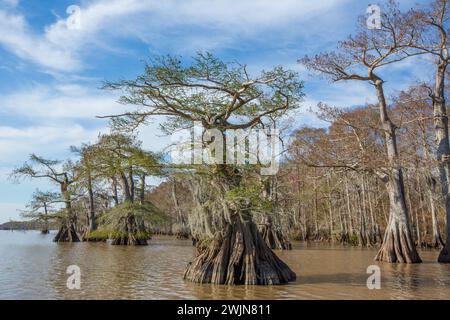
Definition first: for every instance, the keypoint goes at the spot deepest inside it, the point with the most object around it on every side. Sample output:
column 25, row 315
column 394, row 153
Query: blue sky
column 50, row 74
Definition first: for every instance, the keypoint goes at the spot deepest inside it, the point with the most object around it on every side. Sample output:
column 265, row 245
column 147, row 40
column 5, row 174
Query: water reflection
column 32, row 267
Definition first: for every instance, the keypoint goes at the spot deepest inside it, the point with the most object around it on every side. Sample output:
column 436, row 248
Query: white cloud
column 16, row 36
column 50, row 141
column 64, row 101
column 60, row 48
column 47, row 120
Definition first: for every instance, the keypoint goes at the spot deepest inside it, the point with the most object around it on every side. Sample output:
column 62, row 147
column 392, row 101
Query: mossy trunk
column 240, row 256
column 133, row 234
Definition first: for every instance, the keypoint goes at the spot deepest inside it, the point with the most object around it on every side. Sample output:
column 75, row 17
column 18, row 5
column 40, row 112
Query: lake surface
column 33, row 267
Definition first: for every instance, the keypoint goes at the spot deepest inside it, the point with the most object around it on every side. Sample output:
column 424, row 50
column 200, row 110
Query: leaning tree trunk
column 273, row 238
column 240, row 256
column 398, row 245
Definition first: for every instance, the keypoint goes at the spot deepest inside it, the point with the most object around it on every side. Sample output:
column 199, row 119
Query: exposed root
column 67, row 233
column 240, row 256
column 129, row 240
column 398, row 246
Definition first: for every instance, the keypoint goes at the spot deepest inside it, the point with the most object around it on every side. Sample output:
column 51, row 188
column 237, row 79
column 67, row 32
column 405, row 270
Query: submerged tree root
column 67, row 233
column 240, row 257
column 397, row 246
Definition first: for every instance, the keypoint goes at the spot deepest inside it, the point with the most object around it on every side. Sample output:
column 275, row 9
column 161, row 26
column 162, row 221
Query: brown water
column 33, row 267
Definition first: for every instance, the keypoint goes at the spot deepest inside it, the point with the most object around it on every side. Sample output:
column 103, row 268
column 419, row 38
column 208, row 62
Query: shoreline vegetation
column 377, row 176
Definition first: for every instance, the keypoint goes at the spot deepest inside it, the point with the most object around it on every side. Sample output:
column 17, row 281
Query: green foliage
column 117, row 217
column 139, row 235
column 209, row 90
column 98, row 235
column 249, row 197
column 104, row 234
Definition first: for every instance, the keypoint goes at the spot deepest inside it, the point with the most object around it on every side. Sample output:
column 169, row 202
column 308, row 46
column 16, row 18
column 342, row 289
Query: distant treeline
column 22, row 225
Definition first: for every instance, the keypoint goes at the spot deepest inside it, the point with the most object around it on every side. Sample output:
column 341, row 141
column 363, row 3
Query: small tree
column 62, row 175
column 120, row 157
column 40, row 209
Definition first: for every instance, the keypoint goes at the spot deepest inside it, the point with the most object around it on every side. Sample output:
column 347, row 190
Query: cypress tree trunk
column 45, row 227
column 274, row 237
column 182, row 232
column 126, row 187
column 397, row 242
column 142, row 189
column 442, row 150
column 128, row 236
column 114, row 189
column 240, row 256
column 237, row 254
column 436, row 242
column 92, row 218
column 67, row 231
column 398, row 245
